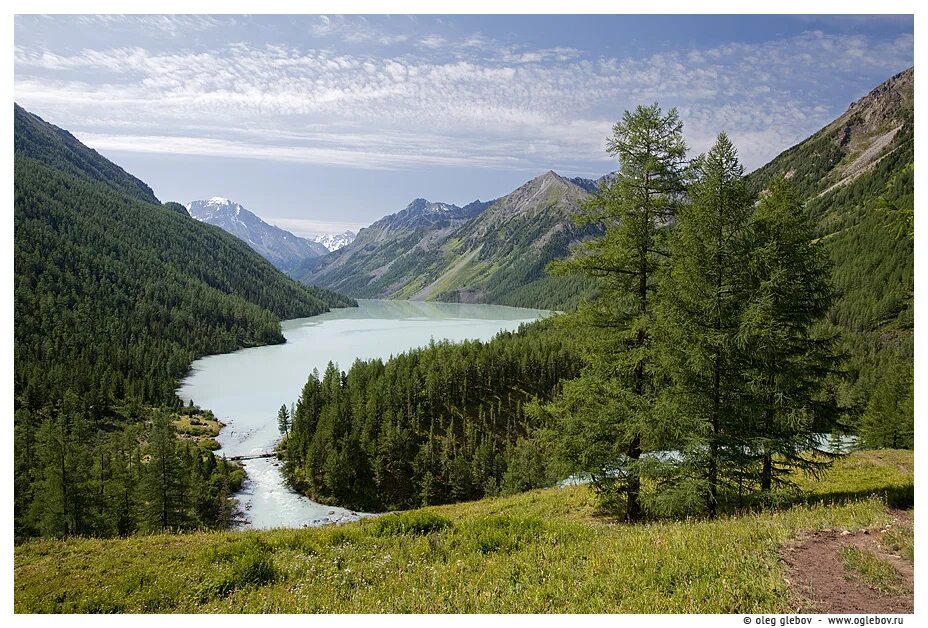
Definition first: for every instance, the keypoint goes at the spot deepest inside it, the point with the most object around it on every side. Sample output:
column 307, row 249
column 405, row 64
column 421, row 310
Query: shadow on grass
column 897, row 496
column 900, row 496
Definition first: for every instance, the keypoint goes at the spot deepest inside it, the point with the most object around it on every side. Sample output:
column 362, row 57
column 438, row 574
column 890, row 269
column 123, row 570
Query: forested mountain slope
column 37, row 139
column 114, row 296
column 483, row 253
column 387, row 256
column 857, row 177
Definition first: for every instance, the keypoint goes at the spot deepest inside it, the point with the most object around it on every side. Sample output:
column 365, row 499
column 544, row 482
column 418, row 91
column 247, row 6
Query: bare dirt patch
column 822, row 583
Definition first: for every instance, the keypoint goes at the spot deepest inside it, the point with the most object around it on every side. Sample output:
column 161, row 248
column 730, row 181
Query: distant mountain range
column 487, row 251
column 496, row 251
column 333, row 241
column 278, row 246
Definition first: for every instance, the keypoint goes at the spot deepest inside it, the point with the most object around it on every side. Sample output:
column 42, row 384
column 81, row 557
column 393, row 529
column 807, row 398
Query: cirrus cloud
column 437, row 100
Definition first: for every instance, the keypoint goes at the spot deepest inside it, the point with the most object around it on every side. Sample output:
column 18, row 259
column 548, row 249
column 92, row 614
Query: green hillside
column 494, row 253
column 36, row 139
column 115, row 297
column 548, row 551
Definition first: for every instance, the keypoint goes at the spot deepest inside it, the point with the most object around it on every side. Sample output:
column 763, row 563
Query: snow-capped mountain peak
column 333, row 241
column 281, row 247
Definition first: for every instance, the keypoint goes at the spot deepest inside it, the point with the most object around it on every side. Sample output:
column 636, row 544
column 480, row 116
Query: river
column 245, row 389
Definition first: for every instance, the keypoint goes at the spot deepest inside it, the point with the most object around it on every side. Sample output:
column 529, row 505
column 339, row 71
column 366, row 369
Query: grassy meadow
column 544, row 551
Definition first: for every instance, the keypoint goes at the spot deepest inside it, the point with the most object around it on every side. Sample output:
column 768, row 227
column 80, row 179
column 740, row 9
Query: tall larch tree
column 699, row 306
column 163, row 485
column 606, row 413
column 792, row 356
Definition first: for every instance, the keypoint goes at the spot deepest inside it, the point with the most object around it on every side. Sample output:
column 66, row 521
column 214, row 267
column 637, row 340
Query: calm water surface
column 245, row 389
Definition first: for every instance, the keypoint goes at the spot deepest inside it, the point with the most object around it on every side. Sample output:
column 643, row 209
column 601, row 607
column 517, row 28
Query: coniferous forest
column 445, row 423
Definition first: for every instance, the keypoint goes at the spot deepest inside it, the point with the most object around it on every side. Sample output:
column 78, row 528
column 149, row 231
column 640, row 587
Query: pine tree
column 889, row 418
column 283, row 420
column 124, row 479
column 700, row 301
column 52, row 506
column 225, row 502
column 606, row 413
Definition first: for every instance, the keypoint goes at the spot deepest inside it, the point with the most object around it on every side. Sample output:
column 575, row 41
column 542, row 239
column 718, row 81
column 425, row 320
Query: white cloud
column 162, row 25
column 454, row 102
column 212, row 147
column 432, row 41
column 354, row 29
column 513, row 55
column 307, row 227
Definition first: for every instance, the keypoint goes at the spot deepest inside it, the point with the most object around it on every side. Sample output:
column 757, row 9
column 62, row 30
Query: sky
column 320, row 123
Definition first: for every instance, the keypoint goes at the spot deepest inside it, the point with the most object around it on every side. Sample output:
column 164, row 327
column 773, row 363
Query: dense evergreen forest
column 123, row 472
column 443, row 423
column 115, row 296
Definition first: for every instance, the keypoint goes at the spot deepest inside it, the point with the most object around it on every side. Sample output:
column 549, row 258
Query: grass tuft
column 240, row 564
column 411, row 522
column 872, row 569
column 502, row 533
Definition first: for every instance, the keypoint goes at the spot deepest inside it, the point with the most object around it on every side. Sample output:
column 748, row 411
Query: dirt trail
column 821, row 583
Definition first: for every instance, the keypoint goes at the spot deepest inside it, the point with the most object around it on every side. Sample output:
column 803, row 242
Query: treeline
column 443, row 423
column 114, row 296
column 77, row 472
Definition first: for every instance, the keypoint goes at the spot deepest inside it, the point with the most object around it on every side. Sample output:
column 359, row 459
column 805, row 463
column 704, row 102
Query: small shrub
column 209, row 443
column 412, row 522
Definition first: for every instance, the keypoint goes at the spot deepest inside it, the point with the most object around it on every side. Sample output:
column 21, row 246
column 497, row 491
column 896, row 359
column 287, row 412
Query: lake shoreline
column 246, row 388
